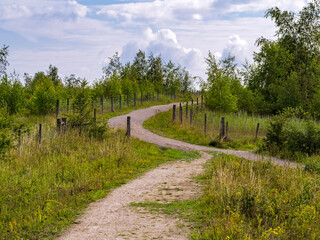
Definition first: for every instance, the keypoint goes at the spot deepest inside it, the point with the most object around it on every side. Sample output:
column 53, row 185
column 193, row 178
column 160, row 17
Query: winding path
column 137, row 131
column 114, row 218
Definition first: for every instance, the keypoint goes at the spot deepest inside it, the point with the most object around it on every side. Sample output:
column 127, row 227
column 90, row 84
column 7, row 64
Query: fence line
column 223, row 128
column 99, row 106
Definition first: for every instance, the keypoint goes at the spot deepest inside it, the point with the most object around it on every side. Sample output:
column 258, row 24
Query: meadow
column 250, row 200
column 241, row 128
column 45, row 186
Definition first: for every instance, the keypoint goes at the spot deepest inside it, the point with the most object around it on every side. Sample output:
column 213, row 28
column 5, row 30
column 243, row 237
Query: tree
column 4, row 52
column 52, row 72
column 156, row 72
column 12, row 94
column 218, row 94
column 286, row 70
column 114, row 67
column 140, row 67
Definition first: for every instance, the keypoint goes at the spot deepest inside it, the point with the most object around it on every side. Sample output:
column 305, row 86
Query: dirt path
column 137, row 131
column 113, row 218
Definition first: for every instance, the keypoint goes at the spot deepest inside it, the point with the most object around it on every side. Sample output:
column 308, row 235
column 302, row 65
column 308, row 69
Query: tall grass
column 43, row 187
column 258, row 200
column 241, row 134
column 250, row 200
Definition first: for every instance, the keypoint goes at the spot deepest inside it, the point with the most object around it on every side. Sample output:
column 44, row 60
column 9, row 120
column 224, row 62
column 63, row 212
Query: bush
column 43, row 100
column 285, row 136
column 99, row 132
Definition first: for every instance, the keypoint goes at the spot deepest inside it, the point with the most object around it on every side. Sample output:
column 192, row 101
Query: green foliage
column 44, row 97
column 6, row 125
column 286, row 137
column 99, row 132
column 241, row 135
column 12, row 94
column 286, row 70
column 257, row 200
column 221, row 78
column 4, row 52
column 44, row 187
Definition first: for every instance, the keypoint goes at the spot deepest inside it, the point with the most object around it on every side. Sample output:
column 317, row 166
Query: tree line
column 38, row 94
column 285, row 73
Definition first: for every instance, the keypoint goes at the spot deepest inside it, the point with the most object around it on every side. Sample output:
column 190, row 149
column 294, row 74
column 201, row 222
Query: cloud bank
column 164, row 42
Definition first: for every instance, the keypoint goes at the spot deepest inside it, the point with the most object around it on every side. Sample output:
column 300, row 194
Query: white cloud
column 236, row 47
column 197, row 17
column 47, row 8
column 164, row 42
column 263, row 5
column 157, row 10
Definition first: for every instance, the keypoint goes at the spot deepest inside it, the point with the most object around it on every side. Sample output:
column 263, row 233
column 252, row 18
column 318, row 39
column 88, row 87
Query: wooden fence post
column 257, row 130
column 128, row 134
column 201, row 101
column 187, row 105
column 19, row 137
column 40, row 133
column 205, row 124
column 181, row 113
column 112, row 104
column 227, row 130
column 135, row 99
column 57, row 108
column 191, row 113
column 222, row 128
column 197, row 104
column 174, row 113
column 120, row 102
column 64, row 122
column 68, row 103
column 58, row 125
column 102, row 104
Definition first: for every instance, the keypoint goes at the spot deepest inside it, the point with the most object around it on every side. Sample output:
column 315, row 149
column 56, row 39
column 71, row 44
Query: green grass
column 251, row 200
column 241, row 135
column 43, row 187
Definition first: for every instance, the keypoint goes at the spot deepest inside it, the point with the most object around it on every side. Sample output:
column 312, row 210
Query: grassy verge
column 251, row 200
column 241, row 134
column 43, row 187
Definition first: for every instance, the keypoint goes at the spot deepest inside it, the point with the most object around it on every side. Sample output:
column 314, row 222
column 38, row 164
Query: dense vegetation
column 285, row 72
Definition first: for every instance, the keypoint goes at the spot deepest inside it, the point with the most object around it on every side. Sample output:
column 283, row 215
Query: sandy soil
column 114, row 218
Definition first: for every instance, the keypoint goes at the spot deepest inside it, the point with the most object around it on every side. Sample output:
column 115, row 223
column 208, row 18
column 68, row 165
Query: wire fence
column 99, row 106
column 210, row 124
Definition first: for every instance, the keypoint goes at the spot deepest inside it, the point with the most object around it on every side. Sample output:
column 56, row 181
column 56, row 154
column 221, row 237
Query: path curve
column 137, row 131
column 113, row 218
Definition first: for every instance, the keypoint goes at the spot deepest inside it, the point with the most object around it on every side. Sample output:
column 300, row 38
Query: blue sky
column 79, row 36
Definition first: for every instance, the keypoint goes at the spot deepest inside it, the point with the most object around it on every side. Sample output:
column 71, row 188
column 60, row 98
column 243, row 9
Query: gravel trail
column 137, row 131
column 113, row 218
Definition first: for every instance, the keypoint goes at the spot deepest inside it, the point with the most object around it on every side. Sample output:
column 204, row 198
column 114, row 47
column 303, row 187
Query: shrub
column 284, row 135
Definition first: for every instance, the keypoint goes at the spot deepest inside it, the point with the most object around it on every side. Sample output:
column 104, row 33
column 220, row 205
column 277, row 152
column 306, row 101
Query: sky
column 80, row 36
